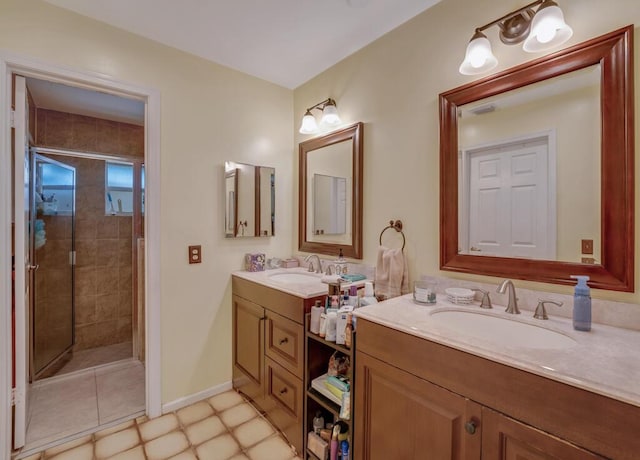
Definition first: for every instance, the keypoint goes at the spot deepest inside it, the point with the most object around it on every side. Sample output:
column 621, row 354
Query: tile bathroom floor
column 224, row 427
column 97, row 356
column 65, row 405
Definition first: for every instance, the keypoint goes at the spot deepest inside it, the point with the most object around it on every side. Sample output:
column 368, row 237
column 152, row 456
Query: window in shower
column 119, row 188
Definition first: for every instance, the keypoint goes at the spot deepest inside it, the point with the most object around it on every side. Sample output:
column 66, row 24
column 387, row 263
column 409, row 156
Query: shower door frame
column 33, row 372
column 12, row 63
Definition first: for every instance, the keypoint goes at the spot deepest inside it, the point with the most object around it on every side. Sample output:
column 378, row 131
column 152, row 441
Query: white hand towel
column 392, row 273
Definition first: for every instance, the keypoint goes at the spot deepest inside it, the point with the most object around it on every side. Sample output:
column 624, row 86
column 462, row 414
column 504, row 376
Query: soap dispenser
column 341, row 264
column 581, row 304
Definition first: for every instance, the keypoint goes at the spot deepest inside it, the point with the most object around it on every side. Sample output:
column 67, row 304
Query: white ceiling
column 286, row 42
column 70, row 99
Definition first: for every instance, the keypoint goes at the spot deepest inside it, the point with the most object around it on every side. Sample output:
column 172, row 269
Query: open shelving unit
column 317, row 354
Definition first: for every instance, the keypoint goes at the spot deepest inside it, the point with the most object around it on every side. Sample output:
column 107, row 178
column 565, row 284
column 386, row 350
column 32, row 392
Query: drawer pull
column 470, row 427
column 283, row 341
column 284, row 391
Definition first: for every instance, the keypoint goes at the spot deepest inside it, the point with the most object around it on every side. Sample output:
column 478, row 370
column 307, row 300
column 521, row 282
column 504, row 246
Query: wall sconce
column 329, row 117
column 540, row 31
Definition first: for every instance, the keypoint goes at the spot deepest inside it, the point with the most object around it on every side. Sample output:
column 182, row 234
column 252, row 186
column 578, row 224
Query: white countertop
column 605, row 360
column 313, row 288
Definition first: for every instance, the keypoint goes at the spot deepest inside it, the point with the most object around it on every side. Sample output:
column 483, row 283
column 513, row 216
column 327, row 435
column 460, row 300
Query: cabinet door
column 399, row 415
column 506, row 439
column 248, row 348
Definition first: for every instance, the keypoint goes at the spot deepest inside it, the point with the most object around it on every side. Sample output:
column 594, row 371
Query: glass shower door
column 52, row 247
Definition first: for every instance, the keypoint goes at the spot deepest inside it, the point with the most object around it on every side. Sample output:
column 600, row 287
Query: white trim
column 195, row 397
column 5, row 269
column 9, row 63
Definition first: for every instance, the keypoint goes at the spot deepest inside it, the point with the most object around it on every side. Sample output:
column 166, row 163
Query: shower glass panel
column 53, row 206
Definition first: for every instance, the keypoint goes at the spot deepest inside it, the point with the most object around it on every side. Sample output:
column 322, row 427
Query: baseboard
column 195, row 397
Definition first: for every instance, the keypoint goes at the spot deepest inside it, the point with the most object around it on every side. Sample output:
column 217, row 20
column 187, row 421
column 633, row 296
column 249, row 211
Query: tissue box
column 254, row 262
column 290, row 263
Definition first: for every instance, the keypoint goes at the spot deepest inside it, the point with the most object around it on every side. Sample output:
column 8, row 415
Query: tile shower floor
column 65, row 405
column 224, row 427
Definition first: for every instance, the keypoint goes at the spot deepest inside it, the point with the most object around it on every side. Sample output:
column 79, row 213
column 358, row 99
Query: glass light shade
column 479, row 58
column 309, row 125
column 548, row 29
column 330, row 115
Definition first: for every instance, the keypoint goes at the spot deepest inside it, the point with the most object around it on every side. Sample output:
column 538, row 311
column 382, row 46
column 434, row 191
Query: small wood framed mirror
column 330, row 193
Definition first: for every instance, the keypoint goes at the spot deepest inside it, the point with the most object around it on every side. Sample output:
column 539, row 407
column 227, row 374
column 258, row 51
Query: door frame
column 13, row 63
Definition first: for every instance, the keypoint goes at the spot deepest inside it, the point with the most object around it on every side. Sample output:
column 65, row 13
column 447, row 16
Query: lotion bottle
column 581, row 304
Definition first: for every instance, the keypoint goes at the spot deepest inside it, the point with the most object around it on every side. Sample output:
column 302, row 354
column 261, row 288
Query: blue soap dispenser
column 581, row 304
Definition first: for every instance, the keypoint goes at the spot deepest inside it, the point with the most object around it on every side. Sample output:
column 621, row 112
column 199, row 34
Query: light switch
column 587, row 246
column 195, row 254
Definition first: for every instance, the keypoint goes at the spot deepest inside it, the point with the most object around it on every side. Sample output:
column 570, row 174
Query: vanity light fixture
column 540, row 30
column 329, row 116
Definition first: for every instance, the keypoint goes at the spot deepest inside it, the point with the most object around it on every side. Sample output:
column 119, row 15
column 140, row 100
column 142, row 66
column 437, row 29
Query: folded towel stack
column 353, row 277
column 392, row 273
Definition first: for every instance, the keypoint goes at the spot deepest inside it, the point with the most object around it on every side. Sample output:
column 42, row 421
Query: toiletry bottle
column 318, row 422
column 348, row 331
column 581, row 304
column 344, row 450
column 332, row 318
column 368, row 297
column 316, row 311
column 323, row 325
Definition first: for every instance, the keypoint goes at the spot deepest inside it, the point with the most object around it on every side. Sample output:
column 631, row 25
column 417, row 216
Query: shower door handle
column 33, row 268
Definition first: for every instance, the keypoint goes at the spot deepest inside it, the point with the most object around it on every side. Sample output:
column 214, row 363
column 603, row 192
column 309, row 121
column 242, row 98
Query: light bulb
column 548, row 29
column 479, row 57
column 309, row 125
column 330, row 114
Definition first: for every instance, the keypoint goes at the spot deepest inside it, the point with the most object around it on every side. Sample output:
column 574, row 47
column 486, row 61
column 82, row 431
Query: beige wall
column 393, row 85
column 209, row 114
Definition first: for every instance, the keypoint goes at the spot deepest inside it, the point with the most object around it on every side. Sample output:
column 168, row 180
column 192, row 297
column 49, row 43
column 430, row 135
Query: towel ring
column 397, row 226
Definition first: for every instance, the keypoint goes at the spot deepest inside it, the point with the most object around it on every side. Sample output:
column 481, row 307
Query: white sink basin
column 502, row 331
column 295, row 278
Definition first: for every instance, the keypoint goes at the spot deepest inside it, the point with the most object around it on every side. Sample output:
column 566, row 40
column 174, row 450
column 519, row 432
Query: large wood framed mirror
column 536, row 162
column 330, row 193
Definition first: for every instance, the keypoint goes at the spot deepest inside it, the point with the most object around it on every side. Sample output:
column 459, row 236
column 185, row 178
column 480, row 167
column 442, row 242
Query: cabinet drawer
column 285, row 343
column 284, row 408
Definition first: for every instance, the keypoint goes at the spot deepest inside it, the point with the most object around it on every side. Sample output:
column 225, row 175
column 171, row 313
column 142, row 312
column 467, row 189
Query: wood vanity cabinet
column 418, row 399
column 268, row 353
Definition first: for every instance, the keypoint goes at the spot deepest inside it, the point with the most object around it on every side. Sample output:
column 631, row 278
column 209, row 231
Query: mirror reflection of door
column 53, row 205
column 509, row 197
column 329, row 205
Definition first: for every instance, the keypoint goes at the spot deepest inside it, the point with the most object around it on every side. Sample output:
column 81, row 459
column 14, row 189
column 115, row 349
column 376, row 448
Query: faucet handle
column 310, row 269
column 541, row 311
column 486, row 300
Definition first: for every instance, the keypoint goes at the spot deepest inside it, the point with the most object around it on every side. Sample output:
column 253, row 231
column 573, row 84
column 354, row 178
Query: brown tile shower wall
column 78, row 132
column 103, row 275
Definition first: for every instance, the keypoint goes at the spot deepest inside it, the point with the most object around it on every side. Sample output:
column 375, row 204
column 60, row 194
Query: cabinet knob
column 283, row 341
column 470, row 427
column 283, row 391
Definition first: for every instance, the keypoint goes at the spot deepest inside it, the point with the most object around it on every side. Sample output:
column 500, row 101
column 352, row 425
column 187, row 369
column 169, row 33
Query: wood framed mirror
column 330, row 193
column 611, row 56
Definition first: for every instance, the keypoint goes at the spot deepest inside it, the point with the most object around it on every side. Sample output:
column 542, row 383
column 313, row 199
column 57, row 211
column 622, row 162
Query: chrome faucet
column 541, row 312
column 318, row 268
column 512, row 304
column 486, row 300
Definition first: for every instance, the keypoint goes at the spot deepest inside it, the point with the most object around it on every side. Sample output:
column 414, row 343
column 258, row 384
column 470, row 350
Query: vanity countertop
column 300, row 288
column 604, row 360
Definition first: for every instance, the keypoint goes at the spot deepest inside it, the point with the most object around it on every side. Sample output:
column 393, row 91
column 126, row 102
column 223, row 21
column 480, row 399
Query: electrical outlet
column 195, row 254
column 588, row 260
column 587, row 246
